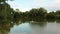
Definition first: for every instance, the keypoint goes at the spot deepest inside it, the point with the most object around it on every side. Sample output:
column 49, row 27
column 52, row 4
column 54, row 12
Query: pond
column 30, row 28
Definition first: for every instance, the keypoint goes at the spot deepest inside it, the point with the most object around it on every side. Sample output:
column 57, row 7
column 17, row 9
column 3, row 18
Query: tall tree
column 5, row 10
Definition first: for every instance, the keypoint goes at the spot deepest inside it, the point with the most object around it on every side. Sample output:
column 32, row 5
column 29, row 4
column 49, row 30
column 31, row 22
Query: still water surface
column 28, row 28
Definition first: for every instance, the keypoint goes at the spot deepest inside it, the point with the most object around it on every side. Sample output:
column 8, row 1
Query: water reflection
column 50, row 20
column 58, row 20
column 30, row 27
column 42, row 23
column 5, row 28
column 27, row 28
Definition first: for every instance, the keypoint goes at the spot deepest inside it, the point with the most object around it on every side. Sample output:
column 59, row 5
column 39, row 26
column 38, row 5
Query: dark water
column 28, row 28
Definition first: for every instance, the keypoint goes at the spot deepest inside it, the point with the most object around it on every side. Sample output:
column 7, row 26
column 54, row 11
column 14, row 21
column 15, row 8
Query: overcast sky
column 26, row 5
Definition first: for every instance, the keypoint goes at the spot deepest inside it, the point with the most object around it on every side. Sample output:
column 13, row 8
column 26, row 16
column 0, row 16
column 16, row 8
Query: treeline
column 37, row 14
column 9, row 14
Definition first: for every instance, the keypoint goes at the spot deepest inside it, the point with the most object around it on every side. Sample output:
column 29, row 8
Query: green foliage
column 50, row 15
column 37, row 14
column 58, row 12
column 33, row 14
column 6, row 12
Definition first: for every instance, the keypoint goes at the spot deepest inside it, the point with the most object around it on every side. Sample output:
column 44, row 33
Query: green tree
column 50, row 15
column 57, row 14
column 6, row 11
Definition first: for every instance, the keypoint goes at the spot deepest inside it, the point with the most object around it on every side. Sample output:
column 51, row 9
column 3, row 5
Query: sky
column 26, row 5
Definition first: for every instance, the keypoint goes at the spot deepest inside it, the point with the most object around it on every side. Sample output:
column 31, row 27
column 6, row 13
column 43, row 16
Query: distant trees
column 50, row 15
column 33, row 14
column 58, row 14
column 38, row 13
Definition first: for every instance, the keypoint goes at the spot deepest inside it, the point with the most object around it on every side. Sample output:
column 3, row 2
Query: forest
column 7, row 13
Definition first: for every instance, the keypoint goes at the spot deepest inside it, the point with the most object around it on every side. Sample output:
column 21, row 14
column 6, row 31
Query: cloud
column 28, row 4
column 38, row 1
column 13, row 4
column 53, row 3
column 50, row 5
column 56, row 3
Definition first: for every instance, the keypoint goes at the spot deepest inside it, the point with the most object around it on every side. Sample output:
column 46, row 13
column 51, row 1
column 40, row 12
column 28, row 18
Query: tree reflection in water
column 6, row 25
